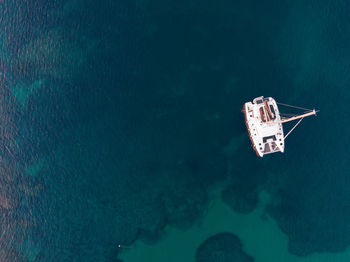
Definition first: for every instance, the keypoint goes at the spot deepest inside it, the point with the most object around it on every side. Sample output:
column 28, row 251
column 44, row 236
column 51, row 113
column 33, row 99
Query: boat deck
column 262, row 120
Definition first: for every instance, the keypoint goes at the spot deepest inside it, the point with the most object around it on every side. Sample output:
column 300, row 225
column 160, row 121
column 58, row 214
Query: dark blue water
column 115, row 114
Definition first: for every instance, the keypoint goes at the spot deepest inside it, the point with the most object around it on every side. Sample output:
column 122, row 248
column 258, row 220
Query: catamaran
column 264, row 123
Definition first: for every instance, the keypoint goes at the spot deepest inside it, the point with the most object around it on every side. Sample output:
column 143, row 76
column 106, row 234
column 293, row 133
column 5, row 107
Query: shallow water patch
column 260, row 235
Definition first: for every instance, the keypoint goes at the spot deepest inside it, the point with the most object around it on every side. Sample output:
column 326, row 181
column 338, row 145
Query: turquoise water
column 122, row 136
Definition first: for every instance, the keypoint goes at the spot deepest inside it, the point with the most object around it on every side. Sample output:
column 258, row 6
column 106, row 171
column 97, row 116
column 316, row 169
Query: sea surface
column 122, row 139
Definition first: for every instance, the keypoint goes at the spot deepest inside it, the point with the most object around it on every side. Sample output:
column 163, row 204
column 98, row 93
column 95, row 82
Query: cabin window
column 274, row 146
column 262, row 114
column 267, row 148
column 269, row 137
column 272, row 109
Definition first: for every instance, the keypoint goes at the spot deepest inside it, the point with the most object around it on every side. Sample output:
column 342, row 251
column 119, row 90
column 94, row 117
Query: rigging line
column 288, row 114
column 290, row 131
column 298, row 107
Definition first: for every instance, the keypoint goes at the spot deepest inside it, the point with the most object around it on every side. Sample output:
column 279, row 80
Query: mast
column 313, row 112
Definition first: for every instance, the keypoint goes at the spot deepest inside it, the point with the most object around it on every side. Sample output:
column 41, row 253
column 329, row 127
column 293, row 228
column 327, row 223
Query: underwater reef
column 59, row 53
column 111, row 198
column 222, row 247
column 313, row 213
column 18, row 190
column 240, row 199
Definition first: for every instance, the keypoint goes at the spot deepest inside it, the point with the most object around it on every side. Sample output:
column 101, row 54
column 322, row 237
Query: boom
column 313, row 112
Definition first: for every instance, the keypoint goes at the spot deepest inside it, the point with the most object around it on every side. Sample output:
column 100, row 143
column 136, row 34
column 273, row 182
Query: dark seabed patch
column 222, row 247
